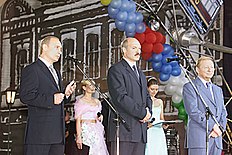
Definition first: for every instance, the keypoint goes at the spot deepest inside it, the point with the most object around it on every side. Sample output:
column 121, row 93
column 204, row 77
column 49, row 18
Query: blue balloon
column 115, row 4
column 164, row 77
column 138, row 18
column 130, row 27
column 140, row 28
column 130, row 17
column 166, row 69
column 157, row 66
column 120, row 25
column 168, row 50
column 112, row 12
column 176, row 71
column 164, row 59
column 132, row 7
column 156, row 57
column 125, row 5
column 130, row 34
column 122, row 15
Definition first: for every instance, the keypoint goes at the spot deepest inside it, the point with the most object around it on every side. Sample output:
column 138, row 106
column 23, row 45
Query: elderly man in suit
column 42, row 91
column 127, row 88
column 196, row 110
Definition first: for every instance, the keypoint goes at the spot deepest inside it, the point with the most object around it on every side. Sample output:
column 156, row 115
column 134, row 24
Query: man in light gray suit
column 213, row 96
column 128, row 90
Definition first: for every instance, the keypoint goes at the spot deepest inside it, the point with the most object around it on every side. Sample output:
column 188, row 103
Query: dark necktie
column 135, row 71
column 53, row 71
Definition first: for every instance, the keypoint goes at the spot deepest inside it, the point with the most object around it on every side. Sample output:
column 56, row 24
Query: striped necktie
column 54, row 74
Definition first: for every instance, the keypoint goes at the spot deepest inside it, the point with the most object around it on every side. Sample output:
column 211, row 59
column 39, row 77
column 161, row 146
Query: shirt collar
column 45, row 62
column 203, row 81
column 131, row 64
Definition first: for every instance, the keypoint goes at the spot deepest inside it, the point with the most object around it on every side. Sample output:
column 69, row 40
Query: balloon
column 156, row 66
column 115, row 4
column 156, row 57
column 163, row 40
column 176, row 98
column 146, row 47
column 122, row 15
column 130, row 34
column 177, row 105
column 157, row 48
column 164, row 60
column 146, row 55
column 112, row 12
column 163, row 82
column 130, row 17
column 179, row 90
column 164, row 77
column 168, row 50
column 148, row 30
column 140, row 37
column 159, row 37
column 138, row 18
column 150, row 38
column 166, row 69
column 130, row 27
column 181, row 110
column 120, row 25
column 125, row 5
column 176, row 71
column 170, row 89
column 132, row 6
column 140, row 28
column 105, row 2
column 174, row 80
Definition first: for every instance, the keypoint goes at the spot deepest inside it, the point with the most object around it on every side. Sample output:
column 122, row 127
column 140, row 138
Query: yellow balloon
column 105, row 2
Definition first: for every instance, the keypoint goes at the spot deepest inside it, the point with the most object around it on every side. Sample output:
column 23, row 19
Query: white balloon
column 163, row 82
column 170, row 89
column 179, row 90
column 174, row 80
column 176, row 98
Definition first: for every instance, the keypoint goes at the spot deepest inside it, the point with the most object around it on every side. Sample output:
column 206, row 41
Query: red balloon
column 140, row 37
column 159, row 37
column 158, row 48
column 163, row 40
column 150, row 38
column 146, row 55
column 147, row 47
column 148, row 30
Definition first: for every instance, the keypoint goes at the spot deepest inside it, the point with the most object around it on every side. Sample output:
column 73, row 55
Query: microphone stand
column 208, row 112
column 118, row 118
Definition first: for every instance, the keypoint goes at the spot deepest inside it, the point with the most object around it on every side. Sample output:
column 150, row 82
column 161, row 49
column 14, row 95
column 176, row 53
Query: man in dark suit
column 213, row 96
column 127, row 88
column 42, row 91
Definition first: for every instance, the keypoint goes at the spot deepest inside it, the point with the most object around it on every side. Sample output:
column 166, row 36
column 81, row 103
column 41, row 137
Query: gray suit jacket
column 130, row 97
column 196, row 129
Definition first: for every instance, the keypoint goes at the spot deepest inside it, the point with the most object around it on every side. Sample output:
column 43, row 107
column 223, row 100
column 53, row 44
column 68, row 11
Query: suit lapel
column 204, row 91
column 46, row 71
column 129, row 69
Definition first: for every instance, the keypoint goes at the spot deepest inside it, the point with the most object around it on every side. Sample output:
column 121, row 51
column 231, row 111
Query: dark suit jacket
column 130, row 97
column 45, row 122
column 196, row 129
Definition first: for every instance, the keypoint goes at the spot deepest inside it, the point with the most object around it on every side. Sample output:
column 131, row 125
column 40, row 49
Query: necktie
column 135, row 71
column 209, row 87
column 53, row 71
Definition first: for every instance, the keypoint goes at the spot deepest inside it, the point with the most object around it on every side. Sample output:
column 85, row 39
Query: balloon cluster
column 161, row 65
column 126, row 17
column 174, row 88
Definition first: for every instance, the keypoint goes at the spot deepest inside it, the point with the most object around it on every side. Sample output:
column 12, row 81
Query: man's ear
column 197, row 70
column 123, row 49
column 45, row 47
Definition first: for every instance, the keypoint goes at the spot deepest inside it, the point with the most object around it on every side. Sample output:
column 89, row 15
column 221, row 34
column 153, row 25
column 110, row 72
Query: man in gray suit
column 127, row 88
column 41, row 89
column 213, row 96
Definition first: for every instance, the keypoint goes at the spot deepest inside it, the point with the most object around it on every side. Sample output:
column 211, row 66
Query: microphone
column 173, row 59
column 152, row 120
column 99, row 114
column 74, row 59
